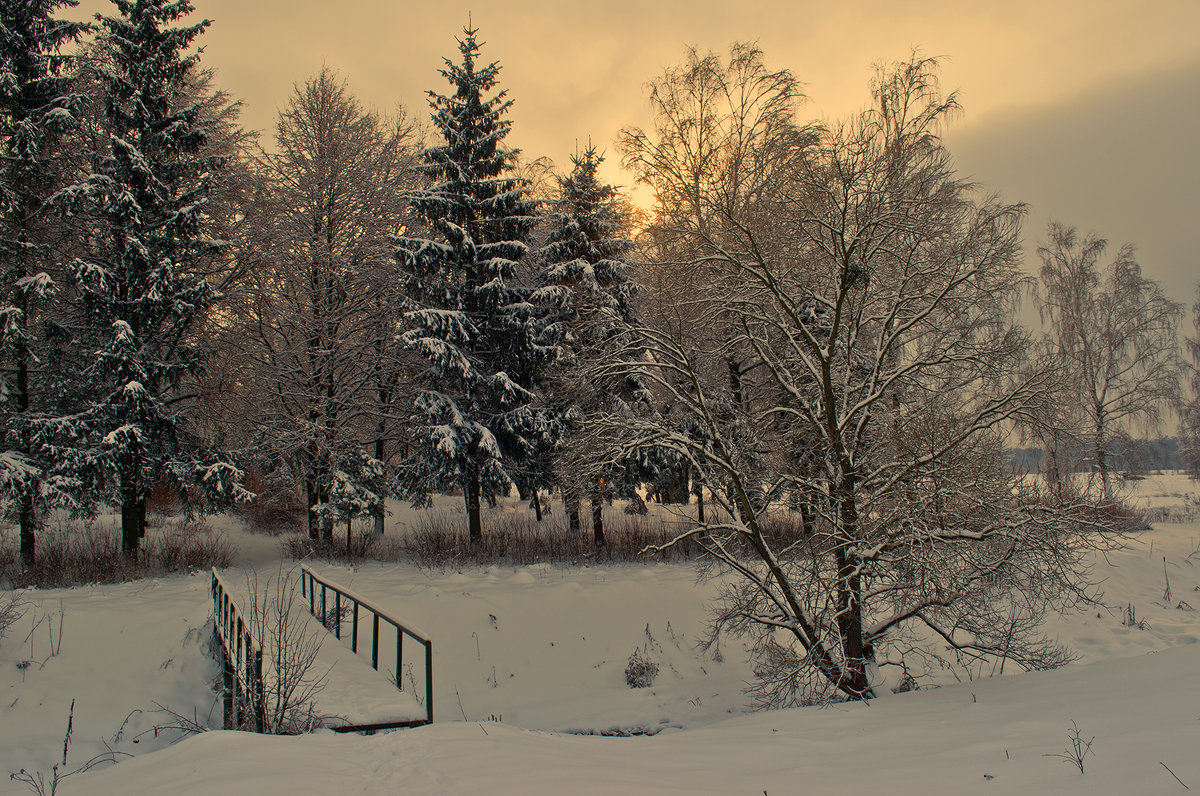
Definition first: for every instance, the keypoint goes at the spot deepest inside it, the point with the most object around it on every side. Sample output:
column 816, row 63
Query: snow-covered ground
column 527, row 658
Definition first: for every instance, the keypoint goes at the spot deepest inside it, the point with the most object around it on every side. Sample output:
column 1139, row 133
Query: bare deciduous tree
column 717, row 155
column 868, row 295
column 1113, row 333
column 319, row 298
column 1189, row 405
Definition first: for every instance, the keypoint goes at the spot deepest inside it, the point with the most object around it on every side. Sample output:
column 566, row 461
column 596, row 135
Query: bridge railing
column 336, row 605
column 243, row 661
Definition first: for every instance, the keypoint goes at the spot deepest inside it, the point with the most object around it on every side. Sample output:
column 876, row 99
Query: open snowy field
column 529, row 670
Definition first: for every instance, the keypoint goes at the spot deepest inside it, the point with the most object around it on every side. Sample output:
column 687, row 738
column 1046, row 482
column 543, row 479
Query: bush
column 74, row 554
column 276, row 507
column 292, row 679
column 440, row 541
column 1114, row 516
column 362, row 546
column 640, row 671
column 12, row 608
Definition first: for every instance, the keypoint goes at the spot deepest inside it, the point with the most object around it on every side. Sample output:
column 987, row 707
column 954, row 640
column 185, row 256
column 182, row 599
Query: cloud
column 1123, row 161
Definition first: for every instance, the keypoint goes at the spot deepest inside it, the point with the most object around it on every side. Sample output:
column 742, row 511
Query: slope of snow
column 986, row 737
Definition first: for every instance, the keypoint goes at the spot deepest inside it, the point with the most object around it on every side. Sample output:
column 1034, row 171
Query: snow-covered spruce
column 37, row 107
column 470, row 324
column 585, row 283
column 139, row 281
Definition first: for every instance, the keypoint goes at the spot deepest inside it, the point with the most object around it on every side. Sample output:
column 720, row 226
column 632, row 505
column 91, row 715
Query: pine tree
column 584, row 279
column 474, row 329
column 37, row 108
column 138, row 283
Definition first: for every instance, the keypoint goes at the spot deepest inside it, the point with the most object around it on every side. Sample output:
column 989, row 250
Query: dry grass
column 1114, row 516
column 75, row 553
column 440, row 541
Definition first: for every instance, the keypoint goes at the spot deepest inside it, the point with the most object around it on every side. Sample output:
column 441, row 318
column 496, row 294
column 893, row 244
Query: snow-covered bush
column 76, row 553
column 641, row 669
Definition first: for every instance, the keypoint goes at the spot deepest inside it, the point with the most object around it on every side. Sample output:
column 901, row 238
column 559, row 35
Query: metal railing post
column 429, row 679
column 375, row 640
column 260, row 699
column 310, row 581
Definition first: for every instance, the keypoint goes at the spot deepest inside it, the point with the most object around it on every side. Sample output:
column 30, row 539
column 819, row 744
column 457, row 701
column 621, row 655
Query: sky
column 1087, row 110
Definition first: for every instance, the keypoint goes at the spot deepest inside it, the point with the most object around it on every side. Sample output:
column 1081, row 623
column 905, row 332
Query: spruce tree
column 465, row 317
column 584, row 281
column 37, row 108
column 140, row 289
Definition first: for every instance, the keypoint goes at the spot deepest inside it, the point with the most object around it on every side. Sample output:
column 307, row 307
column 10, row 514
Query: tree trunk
column 326, row 517
column 27, row 522
column 677, row 489
column 698, row 491
column 598, row 520
column 471, row 491
column 378, row 511
column 854, row 681
column 1053, row 473
column 1102, row 464
column 735, row 383
column 26, row 518
column 537, row 505
column 807, row 511
column 310, row 497
column 133, row 520
column 572, row 505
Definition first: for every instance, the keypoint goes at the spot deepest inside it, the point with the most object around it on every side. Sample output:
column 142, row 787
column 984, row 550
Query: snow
column 945, row 741
column 527, row 657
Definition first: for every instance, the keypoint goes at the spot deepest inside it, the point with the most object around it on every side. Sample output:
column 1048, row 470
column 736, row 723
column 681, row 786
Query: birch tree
column 723, row 134
column 870, row 291
column 1189, row 407
column 1113, row 333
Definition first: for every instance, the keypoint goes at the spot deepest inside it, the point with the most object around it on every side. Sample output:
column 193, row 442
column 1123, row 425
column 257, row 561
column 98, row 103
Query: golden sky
column 1089, row 110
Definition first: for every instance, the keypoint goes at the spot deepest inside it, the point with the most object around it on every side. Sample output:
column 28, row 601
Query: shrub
column 276, row 507
column 74, row 554
column 12, row 608
column 640, row 671
column 440, row 541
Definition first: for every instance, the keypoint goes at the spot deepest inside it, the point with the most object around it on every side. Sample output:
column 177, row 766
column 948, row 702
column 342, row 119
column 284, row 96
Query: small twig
column 1172, row 773
column 70, row 727
column 1078, row 750
column 458, row 696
